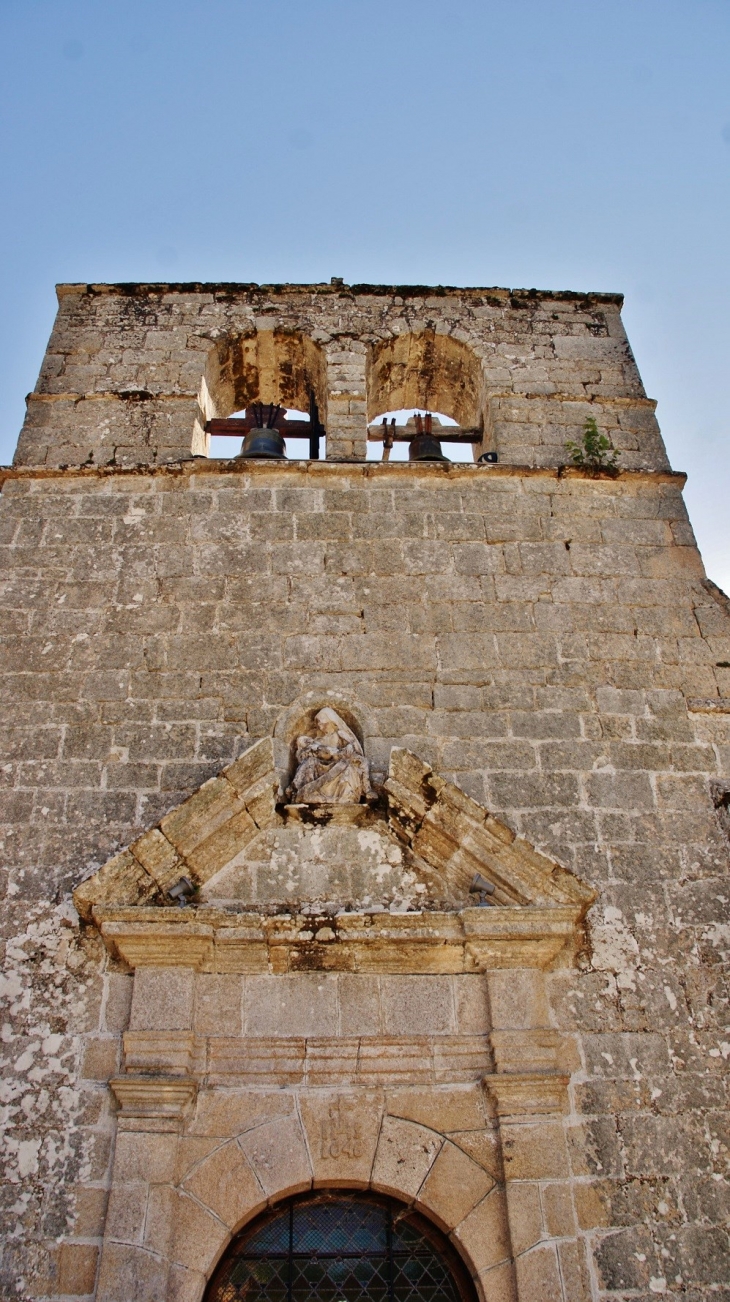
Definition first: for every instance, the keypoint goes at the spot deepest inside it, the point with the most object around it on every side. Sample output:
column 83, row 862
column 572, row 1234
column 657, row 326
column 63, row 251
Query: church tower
column 364, row 802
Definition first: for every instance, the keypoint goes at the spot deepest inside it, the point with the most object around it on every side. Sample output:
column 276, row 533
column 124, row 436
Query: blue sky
column 563, row 144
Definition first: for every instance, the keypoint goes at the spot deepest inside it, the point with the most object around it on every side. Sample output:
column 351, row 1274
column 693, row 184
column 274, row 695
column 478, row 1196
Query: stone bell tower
column 364, row 821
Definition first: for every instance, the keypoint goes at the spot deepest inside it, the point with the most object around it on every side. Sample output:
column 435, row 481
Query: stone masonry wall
column 127, row 375
column 536, row 637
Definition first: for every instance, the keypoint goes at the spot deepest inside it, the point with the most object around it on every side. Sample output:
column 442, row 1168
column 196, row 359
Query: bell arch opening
column 340, row 1247
column 281, row 367
column 425, row 371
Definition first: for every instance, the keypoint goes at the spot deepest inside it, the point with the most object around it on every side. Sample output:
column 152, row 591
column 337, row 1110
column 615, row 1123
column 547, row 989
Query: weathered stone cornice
column 153, row 1102
column 518, row 1095
column 212, row 940
column 195, row 839
column 445, row 433
column 248, row 289
column 436, row 472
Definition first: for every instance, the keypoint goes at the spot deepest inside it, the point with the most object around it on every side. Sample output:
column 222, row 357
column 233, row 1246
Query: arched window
column 340, row 1248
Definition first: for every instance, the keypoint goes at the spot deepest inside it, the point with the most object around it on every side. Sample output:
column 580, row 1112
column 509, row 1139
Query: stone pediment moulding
column 536, row 918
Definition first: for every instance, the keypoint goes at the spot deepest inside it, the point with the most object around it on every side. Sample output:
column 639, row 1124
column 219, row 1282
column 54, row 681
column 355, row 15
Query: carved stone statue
column 331, row 767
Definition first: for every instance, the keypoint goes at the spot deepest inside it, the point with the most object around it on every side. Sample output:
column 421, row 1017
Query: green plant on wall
column 595, row 451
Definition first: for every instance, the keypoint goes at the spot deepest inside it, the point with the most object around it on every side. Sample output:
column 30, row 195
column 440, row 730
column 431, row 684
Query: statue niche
column 331, row 768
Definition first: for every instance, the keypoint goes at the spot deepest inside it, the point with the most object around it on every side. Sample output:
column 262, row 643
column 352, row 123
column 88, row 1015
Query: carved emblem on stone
column 341, row 1131
column 331, row 766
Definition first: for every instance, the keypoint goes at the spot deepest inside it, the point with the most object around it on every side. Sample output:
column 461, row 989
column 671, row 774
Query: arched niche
column 299, row 716
column 269, row 366
column 427, row 371
column 306, row 724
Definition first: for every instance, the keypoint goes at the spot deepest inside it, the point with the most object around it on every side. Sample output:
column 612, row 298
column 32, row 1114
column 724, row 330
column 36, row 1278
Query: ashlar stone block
column 126, row 1213
column 538, row 1275
column 185, row 1285
column 218, row 1004
column 342, row 1131
column 453, row 1187
column 223, row 1113
column 196, row 820
column 524, row 1213
column 445, row 1109
column 483, row 1235
column 278, row 1155
column 130, row 1274
column 405, row 1154
column 534, row 1151
column 417, row 1005
column 226, row 1185
column 197, row 1236
column 77, row 1264
column 518, row 999
column 144, row 1157
column 162, row 999
column 305, row 1004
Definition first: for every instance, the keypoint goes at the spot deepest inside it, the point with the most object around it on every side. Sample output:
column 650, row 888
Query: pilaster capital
column 153, row 1102
column 520, row 1094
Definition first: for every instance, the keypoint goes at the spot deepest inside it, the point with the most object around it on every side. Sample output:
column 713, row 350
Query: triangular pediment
column 419, row 847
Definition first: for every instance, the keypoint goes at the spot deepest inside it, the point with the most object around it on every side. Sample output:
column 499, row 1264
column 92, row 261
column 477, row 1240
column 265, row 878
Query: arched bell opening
column 419, row 386
column 335, row 1246
column 275, row 377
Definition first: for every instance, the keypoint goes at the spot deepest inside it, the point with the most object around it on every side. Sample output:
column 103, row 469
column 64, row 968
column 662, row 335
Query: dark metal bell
column 265, row 443
column 424, row 447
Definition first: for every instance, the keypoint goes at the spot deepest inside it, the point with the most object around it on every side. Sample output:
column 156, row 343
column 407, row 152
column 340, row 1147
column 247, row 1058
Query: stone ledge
column 437, row 471
column 526, row 1093
column 320, row 1062
column 172, row 1053
column 153, row 1098
column 132, row 289
column 471, row 941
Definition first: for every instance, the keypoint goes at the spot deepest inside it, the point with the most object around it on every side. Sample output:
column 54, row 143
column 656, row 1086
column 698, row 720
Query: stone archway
column 426, row 370
column 344, row 1244
column 269, row 366
column 169, row 1235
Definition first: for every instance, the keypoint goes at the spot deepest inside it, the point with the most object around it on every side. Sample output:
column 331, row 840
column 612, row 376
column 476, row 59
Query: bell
column 424, row 447
column 264, row 443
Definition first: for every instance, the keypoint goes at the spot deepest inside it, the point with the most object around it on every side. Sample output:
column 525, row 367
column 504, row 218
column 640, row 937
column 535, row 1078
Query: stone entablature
column 124, row 387
column 474, row 940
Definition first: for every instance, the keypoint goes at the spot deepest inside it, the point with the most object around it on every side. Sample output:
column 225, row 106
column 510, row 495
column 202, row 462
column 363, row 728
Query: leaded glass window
column 329, row 1248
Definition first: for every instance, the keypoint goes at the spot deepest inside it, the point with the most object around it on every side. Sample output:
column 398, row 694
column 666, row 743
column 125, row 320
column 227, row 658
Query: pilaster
column 529, row 1090
column 347, row 421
